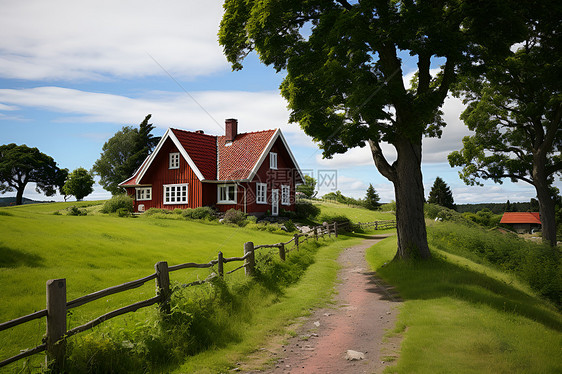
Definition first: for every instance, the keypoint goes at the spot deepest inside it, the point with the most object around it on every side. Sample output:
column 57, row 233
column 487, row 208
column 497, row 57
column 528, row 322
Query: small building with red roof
column 254, row 172
column 522, row 222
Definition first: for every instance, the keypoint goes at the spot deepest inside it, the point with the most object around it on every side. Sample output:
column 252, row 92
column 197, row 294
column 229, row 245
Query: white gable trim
column 169, row 134
column 267, row 149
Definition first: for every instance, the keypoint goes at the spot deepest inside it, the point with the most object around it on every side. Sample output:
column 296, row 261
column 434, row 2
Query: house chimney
column 231, row 129
column 199, row 132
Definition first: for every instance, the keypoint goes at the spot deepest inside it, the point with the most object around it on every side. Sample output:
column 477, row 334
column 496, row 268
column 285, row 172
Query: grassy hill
column 94, row 252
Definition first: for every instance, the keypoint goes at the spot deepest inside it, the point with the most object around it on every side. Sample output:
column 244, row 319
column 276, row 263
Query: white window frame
column 176, row 194
column 174, row 160
column 143, row 193
column 285, row 194
column 272, row 160
column 226, row 200
column 261, row 193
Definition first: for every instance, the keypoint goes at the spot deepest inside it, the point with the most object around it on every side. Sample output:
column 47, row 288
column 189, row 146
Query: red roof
column 521, row 217
column 238, row 159
column 202, row 149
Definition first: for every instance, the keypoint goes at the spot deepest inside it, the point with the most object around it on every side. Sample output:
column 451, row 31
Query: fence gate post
column 56, row 323
column 282, row 252
column 163, row 286
column 221, row 264
column 336, row 229
column 316, row 233
column 250, row 260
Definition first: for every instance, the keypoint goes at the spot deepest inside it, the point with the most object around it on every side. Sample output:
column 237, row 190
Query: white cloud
column 65, row 39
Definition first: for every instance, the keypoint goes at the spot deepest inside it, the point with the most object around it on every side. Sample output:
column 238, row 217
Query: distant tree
column 308, row 187
column 123, row 154
column 20, row 165
column 61, row 180
column 441, row 194
column 372, row 198
column 515, row 111
column 510, row 207
column 79, row 184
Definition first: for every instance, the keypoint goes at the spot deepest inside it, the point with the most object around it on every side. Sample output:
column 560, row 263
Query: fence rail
column 57, row 306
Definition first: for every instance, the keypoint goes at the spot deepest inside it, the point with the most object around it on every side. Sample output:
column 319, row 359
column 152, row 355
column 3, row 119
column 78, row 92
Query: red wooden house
column 522, row 222
column 254, row 172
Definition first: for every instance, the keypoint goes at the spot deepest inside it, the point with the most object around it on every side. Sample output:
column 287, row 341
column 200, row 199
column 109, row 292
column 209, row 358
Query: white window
column 227, row 194
column 272, row 160
column 144, row 193
column 175, row 193
column 174, row 160
column 285, row 195
column 261, row 193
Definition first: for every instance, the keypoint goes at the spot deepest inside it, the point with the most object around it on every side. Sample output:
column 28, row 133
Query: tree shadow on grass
column 11, row 258
column 439, row 278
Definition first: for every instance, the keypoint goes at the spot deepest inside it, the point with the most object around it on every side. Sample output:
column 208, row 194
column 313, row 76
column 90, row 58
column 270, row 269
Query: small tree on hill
column 79, row 184
column 372, row 198
column 441, row 194
column 308, row 187
column 123, row 154
column 20, row 165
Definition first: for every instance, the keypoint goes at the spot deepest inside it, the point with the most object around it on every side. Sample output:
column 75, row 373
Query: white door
column 274, row 202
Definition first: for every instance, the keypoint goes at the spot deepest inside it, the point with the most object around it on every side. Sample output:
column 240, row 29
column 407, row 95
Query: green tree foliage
column 123, row 154
column 344, row 83
column 371, row 198
column 79, row 184
column 515, row 110
column 20, row 165
column 441, row 194
column 308, row 187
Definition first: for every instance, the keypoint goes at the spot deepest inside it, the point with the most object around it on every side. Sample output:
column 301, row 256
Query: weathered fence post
column 163, row 286
column 316, row 233
column 336, row 229
column 250, row 260
column 297, row 241
column 282, row 252
column 56, row 324
column 376, row 225
column 221, row 264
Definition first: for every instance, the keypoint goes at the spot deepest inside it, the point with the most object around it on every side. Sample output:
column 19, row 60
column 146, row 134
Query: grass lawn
column 94, row 252
column 463, row 317
column 354, row 213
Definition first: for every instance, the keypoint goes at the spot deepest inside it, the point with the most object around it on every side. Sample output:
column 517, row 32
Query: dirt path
column 364, row 309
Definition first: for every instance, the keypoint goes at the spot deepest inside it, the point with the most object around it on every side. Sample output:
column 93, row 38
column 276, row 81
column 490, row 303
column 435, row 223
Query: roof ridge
column 193, row 132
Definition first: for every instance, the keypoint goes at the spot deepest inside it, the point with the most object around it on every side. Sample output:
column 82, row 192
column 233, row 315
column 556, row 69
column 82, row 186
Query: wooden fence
column 378, row 225
column 54, row 343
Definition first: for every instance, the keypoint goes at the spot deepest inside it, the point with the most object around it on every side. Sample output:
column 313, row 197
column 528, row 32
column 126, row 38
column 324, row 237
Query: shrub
column 203, row 212
column 75, row 211
column 236, row 217
column 122, row 212
column 305, row 209
column 390, row 207
column 116, row 202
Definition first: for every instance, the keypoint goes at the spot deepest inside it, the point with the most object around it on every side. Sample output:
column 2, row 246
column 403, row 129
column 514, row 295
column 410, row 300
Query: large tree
column 344, row 75
column 123, row 154
column 515, row 111
column 79, row 184
column 20, row 165
column 441, row 194
column 307, row 188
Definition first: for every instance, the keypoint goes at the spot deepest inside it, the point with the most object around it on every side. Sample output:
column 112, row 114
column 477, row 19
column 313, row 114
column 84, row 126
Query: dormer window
column 174, row 160
column 273, row 160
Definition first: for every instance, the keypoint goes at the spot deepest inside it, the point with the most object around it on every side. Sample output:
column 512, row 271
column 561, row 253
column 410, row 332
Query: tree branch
column 382, row 165
column 345, row 4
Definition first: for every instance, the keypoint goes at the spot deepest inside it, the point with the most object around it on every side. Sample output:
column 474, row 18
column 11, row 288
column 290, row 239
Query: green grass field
column 94, row 252
column 462, row 317
column 355, row 214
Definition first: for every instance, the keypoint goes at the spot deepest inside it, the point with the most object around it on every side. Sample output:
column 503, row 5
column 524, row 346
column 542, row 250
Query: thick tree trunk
column 409, row 193
column 546, row 204
column 19, row 195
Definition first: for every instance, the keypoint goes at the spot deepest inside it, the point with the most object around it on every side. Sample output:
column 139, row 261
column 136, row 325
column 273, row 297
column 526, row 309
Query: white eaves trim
column 170, row 134
column 267, row 149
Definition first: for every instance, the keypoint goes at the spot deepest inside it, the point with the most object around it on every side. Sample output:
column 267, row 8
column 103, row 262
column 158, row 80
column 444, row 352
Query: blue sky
column 74, row 73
